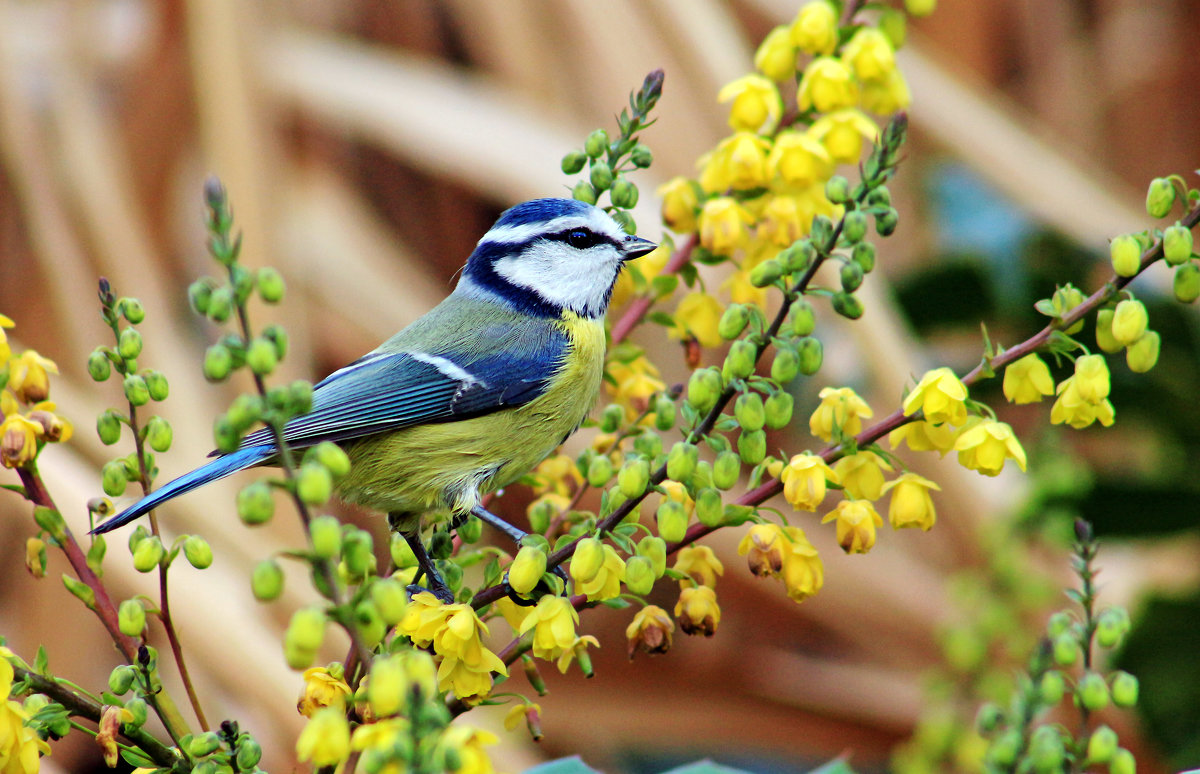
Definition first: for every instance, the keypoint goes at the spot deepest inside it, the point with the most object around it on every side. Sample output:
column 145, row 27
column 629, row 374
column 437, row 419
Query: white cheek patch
column 579, row 280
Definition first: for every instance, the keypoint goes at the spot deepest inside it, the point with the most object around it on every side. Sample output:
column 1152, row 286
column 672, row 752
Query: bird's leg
column 514, row 533
column 425, row 565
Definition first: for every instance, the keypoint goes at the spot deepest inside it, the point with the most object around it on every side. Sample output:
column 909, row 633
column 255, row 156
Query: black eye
column 581, row 239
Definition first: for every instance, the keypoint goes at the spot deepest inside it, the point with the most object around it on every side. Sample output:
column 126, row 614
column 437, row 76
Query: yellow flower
column 465, row 681
column 738, row 162
column 460, row 638
column 521, row 713
column 724, row 225
column 468, row 743
column 940, row 395
column 697, row 610
column 697, row 315
column 606, row 583
column 56, row 428
column 799, row 158
column 923, row 436
column 553, row 625
column 742, row 290
column 673, row 490
column 827, row 85
column 636, row 381
column 20, row 746
column 424, row 617
column 681, row 201
column 578, row 651
column 1027, row 380
column 840, row 408
column 856, row 521
column 842, row 133
column 1091, row 378
column 650, row 631
column 454, row 631
column 514, row 614
column 557, row 474
column 700, row 564
column 815, row 29
column 5, row 349
column 804, row 480
column 764, row 546
column 757, row 106
column 18, row 440
column 783, row 221
column 983, row 446
column 321, row 689
column 776, row 55
column 380, row 735
column 911, row 505
column 393, row 680
column 869, row 54
column 1129, row 321
column 803, row 570
column 29, row 376
column 862, row 474
column 325, row 739
column 1071, row 408
column 887, row 95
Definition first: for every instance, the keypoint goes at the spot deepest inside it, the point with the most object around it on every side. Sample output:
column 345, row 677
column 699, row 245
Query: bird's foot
column 439, row 590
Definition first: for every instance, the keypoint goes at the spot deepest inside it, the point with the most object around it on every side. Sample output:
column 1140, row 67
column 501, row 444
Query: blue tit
column 475, row 393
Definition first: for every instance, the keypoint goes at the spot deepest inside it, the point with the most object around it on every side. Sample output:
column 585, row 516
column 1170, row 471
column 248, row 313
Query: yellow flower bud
column 527, row 569
column 1129, row 321
column 325, row 739
column 1027, row 380
column 680, row 204
column 1142, row 355
column 1126, row 255
column 1091, row 378
column 757, row 106
column 776, row 55
column 911, row 505
column 815, row 29
column 587, row 559
column 869, row 54
column 697, row 610
column 650, row 631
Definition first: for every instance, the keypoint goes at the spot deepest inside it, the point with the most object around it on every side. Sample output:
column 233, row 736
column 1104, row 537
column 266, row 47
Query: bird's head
column 547, row 255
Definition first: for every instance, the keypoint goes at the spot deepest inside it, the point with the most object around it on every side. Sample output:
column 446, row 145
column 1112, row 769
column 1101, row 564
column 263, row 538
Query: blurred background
column 367, row 144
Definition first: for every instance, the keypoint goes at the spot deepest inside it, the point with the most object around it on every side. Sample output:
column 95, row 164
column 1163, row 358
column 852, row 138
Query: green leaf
column 41, row 662
column 665, row 284
column 662, row 318
column 616, row 603
column 572, row 765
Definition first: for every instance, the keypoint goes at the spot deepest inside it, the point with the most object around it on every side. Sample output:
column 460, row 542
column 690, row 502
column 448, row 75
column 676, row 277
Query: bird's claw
column 441, row 591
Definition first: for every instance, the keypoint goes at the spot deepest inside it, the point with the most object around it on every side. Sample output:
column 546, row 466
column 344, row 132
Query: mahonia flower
column 578, row 650
column 861, row 474
column 782, row 221
column 468, row 744
column 697, row 315
column 940, row 395
column 557, row 474
column 741, row 290
column 423, row 618
column 764, row 546
column 841, row 408
column 377, row 742
column 776, row 55
column 528, row 713
column 56, row 429
column 650, row 631
column 757, row 106
column 18, row 440
column 738, row 162
column 984, row 445
column 869, row 54
column 804, row 480
column 514, row 615
column 605, row 582
column 29, row 376
column 393, row 681
column 1071, row 408
column 1091, row 378
column 827, row 85
column 1027, row 380
column 1129, row 321
column 697, row 610
column 321, row 689
column 799, row 158
column 20, row 746
column 856, row 521
column 924, row 436
column 887, row 95
column 724, row 225
column 815, row 29
column 911, row 505
column 681, row 202
column 842, row 133
column 454, row 631
column 552, row 622
column 803, row 571
column 5, row 349
column 325, row 739
column 673, row 490
column 636, row 381
column 701, row 564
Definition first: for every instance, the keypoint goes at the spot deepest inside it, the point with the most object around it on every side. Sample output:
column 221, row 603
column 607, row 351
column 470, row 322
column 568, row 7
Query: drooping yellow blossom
column 552, row 622
column 803, row 571
column 381, row 736
column 887, row 95
column 521, row 713
column 856, row 521
column 911, row 504
column 757, row 106
column 697, row 610
column 869, row 54
column 514, row 614
column 783, row 221
column 455, row 632
column 468, row 744
column 1091, row 378
column 804, row 480
column 558, row 474
column 742, row 291
column 983, row 446
column 578, row 650
column 738, row 162
column 636, row 381
column 394, row 681
column 776, row 55
column 650, row 631
column 940, row 395
column 724, row 225
column 5, row 349
column 764, row 546
column 697, row 315
column 321, row 689
column 423, row 618
column 681, row 202
column 827, row 86
column 29, row 376
column 861, row 474
column 843, row 132
column 57, row 429
column 456, row 675
column 111, row 718
column 1027, row 380
column 325, row 740
column 1129, row 321
column 18, row 440
column 700, row 564
column 799, row 158
column 673, row 490
column 460, row 638
column 605, row 583
column 815, row 29
column 1071, row 408
column 20, row 747
column 840, row 407
column 923, row 436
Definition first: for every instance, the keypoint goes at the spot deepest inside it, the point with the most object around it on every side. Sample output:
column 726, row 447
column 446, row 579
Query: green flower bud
column 851, row 276
column 854, row 226
column 120, row 680
column 204, row 744
column 1102, row 744
column 894, row 26
column 600, row 470
column 108, row 427
column 225, row 436
column 243, row 284
column 879, row 197
column 131, row 618
column 133, row 310
column 470, row 531
column 639, row 575
column 1059, row 624
column 709, row 509
column 158, row 434
column 220, row 304
column 611, row 418
column 648, row 444
column 601, row 175
column 681, row 462
column 137, row 707
column 249, row 753
column 156, row 383
column 654, row 549
column 304, row 636
column 989, row 718
column 587, row 559
column 136, row 391
column 703, row 390
column 1003, row 750
column 804, row 321
column 199, row 295
column 129, row 344
column 1123, row 762
column 80, row 590
column 1091, row 692
column 1177, row 244
column 267, row 580
column 624, row 220
column 1160, row 197
column 325, row 533
column 1124, row 689
column 634, row 477
column 664, row 413
column 641, row 156
column 779, row 410
column 390, row 598
column 270, row 285
column 739, row 363
column 1111, row 626
column 358, row 552
column 256, row 503
column 540, row 514
column 527, row 569
column 198, row 552
column 837, row 189
column 733, row 321
column 277, row 336
column 1066, row 298
column 218, row 362
column 702, row 477
column 596, row 144
column 261, row 357
column 314, row 484
column 1187, row 283
column 1052, row 687
column 749, row 411
column 847, row 305
column 148, row 554
column 864, row 255
column 886, row 222
column 1104, row 335
column 245, row 410
column 1126, row 255
column 785, row 366
column 370, row 625
column 139, row 534
column 797, row 257
column 584, row 192
column 672, row 521
column 624, row 193
column 1066, row 650
column 99, row 367
column 333, row 457
column 726, row 469
column 1129, row 321
column 1046, row 750
column 573, row 162
column 752, row 446
column 1142, row 354
column 766, row 273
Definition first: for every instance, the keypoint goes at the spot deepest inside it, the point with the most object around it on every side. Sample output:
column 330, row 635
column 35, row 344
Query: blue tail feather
column 218, row 468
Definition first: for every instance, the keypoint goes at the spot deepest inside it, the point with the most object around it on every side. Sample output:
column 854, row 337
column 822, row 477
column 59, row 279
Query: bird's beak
column 636, row 247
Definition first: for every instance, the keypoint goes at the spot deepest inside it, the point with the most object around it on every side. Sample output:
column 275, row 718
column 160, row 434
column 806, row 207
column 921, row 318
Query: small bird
column 474, row 394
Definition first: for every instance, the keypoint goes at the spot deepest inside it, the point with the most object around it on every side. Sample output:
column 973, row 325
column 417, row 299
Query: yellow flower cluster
column 455, row 632
column 22, row 434
column 20, row 746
